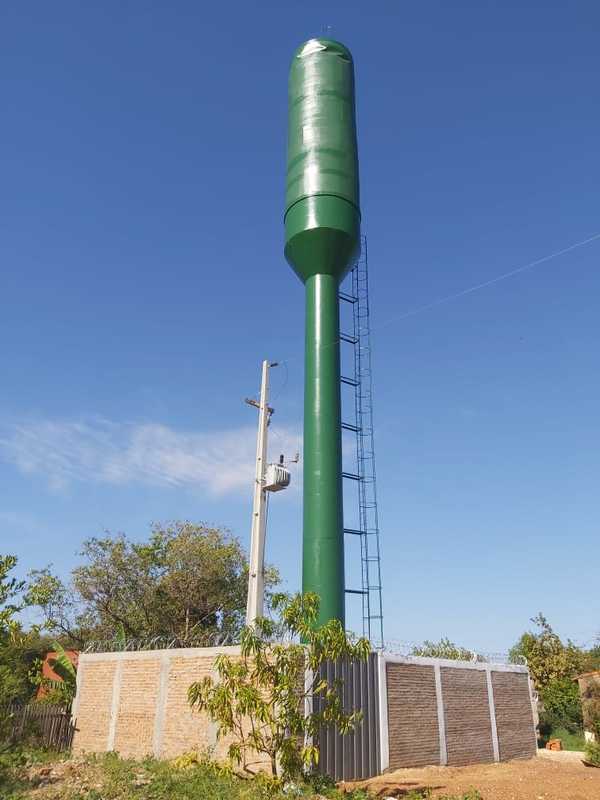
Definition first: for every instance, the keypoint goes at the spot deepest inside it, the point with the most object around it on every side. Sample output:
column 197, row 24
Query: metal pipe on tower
column 322, row 241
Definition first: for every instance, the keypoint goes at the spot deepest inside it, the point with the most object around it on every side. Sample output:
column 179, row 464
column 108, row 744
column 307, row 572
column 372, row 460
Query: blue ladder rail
column 355, row 291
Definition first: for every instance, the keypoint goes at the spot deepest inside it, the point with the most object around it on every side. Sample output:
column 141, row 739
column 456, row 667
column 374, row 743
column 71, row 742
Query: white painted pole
column 256, row 581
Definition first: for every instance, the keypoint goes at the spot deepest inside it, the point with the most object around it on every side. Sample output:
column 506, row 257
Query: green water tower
column 322, row 241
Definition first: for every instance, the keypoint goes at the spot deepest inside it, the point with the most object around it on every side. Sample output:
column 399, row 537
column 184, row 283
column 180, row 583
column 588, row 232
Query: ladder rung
column 351, row 476
column 349, row 298
column 356, row 334
column 348, row 427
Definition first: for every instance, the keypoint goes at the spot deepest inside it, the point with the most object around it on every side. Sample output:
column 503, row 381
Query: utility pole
column 256, row 580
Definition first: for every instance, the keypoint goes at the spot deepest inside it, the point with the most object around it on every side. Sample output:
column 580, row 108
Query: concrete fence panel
column 467, row 716
column 514, row 721
column 454, row 713
column 413, row 731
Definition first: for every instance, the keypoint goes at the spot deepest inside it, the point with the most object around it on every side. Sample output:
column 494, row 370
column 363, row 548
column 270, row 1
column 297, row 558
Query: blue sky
column 142, row 282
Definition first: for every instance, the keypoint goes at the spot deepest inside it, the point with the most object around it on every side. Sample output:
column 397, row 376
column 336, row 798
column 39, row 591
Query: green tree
column 562, row 704
column 547, row 657
column 15, row 645
column 185, row 582
column 592, row 658
column 443, row 649
column 553, row 665
column 260, row 698
column 10, row 593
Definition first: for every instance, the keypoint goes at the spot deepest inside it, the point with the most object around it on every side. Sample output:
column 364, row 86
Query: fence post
column 161, row 703
column 114, row 709
column 384, row 740
column 439, row 697
column 492, row 705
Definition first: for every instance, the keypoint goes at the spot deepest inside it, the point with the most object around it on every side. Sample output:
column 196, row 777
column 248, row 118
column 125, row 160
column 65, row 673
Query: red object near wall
column 49, row 674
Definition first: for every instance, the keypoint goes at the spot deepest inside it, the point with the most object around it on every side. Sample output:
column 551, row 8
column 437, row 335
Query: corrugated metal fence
column 357, row 755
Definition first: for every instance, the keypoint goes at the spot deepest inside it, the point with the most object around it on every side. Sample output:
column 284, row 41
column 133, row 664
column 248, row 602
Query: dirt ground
column 558, row 776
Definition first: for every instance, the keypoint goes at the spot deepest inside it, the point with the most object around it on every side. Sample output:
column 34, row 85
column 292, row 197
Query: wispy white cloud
column 101, row 451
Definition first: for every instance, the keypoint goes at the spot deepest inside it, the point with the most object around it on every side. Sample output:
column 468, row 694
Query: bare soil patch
column 533, row 779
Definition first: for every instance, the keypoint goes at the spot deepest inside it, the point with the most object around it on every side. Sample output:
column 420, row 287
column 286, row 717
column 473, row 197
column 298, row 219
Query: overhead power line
column 477, row 286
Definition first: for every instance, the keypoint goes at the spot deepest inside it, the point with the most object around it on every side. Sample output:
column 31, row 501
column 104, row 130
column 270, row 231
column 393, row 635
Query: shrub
column 260, row 698
column 562, row 703
column 592, row 753
column 443, row 649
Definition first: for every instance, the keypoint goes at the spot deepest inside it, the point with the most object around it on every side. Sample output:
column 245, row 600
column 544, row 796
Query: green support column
column 323, row 551
column 322, row 240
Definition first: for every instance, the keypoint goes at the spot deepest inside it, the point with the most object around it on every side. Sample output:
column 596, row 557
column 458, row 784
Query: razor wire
column 115, row 645
column 410, row 650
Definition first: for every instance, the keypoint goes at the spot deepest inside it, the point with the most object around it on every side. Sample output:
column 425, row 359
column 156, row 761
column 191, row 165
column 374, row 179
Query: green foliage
column 571, row 740
column 553, row 666
column 592, row 753
column 443, row 649
column 18, row 649
column 20, row 664
column 548, row 658
column 592, row 659
column 562, row 704
column 185, row 582
column 109, row 777
column 10, row 591
column 63, row 666
column 591, row 707
column 260, row 699
column 57, row 692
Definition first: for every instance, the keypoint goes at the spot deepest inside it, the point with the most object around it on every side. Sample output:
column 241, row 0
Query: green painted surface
column 322, row 239
column 323, row 538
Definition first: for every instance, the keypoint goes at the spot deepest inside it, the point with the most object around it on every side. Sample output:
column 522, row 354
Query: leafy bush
column 562, row 706
column 56, row 692
column 561, row 698
column 570, row 741
column 443, row 649
column 591, row 707
column 548, row 658
column 260, row 699
column 592, row 753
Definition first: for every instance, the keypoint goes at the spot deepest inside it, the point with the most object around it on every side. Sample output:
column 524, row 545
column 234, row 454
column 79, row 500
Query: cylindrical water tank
column 322, row 212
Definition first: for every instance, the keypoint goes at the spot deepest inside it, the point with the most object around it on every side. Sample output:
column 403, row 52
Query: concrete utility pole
column 256, row 580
